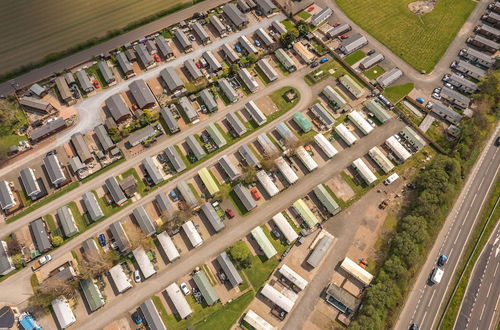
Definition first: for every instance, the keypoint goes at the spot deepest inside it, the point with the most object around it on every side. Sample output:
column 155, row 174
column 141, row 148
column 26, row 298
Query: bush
column 240, row 253
column 57, row 241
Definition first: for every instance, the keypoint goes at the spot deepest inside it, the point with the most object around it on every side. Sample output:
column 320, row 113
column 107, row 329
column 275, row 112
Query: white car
column 429, row 105
column 436, row 96
column 137, row 276
column 437, row 90
column 46, row 258
column 185, row 289
column 450, row 86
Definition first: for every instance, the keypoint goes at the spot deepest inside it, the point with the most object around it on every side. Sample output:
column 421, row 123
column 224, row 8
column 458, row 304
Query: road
column 480, row 306
column 425, row 301
column 235, row 230
column 86, row 54
column 89, row 109
column 75, row 194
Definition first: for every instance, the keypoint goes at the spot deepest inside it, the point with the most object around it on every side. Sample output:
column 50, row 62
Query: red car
column 310, row 9
column 255, row 194
column 229, row 213
column 156, row 57
column 344, row 36
column 198, row 65
column 96, row 84
column 336, row 24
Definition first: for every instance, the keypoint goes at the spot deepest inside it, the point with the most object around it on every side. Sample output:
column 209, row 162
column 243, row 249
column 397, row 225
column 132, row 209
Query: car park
column 185, row 289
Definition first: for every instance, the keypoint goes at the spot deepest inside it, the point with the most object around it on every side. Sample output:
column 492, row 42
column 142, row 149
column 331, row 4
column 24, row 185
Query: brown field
column 33, row 29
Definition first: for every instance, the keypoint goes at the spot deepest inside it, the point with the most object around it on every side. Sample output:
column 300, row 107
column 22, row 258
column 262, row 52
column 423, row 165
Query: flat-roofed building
column 304, row 123
column 285, row 228
column 228, row 90
column 338, row 30
column 208, row 99
column 294, row 278
column 360, row 122
column 151, row 169
column 175, row 159
column 257, row 322
column 183, row 40
column 280, row 299
column 279, row 27
column 144, row 220
column 285, row 60
column 168, row 246
column 247, row 45
column 170, row 120
column 381, row 159
column 303, row 52
column 462, row 84
column 54, row 170
column 142, row 94
column 248, row 80
column 193, row 70
column 120, row 280
column 187, row 194
column 163, row 204
column 63, row 312
column 265, row 37
column 267, row 145
column 172, row 79
column 117, row 107
column 478, row 57
column 469, row 69
column 364, row 171
column 286, row 133
column 192, row 234
column 92, row 207
column 345, row 134
column 92, row 295
column 305, row 213
column 341, row 299
column 356, row 271
column 268, row 184
column 30, row 183
column 106, row 73
column 270, row 73
column 325, row 145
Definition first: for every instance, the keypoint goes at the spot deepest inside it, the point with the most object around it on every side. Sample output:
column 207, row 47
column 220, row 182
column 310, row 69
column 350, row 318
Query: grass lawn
column 161, row 309
column 436, row 132
column 420, row 40
column 43, row 202
column 355, row 57
column 51, row 223
column 240, row 208
column 279, row 245
column 288, row 24
column 141, row 186
column 79, row 220
column 330, row 68
column 278, row 97
column 396, row 93
column 374, row 72
column 260, row 270
column 304, row 15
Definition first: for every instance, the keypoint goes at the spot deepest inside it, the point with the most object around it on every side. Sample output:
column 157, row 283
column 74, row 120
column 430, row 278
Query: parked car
column 420, row 100
column 257, row 43
column 343, row 36
column 275, row 233
column 429, row 105
column 255, row 194
column 96, row 84
column 436, row 96
column 185, row 289
column 40, row 262
column 497, row 141
column 229, row 213
column 371, row 51
column 156, row 57
column 314, row 64
column 102, row 240
column 323, row 60
column 336, row 24
column 237, row 48
column 136, row 317
column 137, row 276
column 174, row 196
column 437, row 90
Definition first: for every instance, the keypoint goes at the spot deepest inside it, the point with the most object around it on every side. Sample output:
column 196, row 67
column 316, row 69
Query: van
column 393, row 177
column 437, row 275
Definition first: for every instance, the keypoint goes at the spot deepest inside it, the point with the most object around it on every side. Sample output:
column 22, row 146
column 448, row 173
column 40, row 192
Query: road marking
column 489, row 289
column 495, row 273
column 493, row 316
column 482, row 311
column 430, row 300
column 451, row 251
column 423, row 318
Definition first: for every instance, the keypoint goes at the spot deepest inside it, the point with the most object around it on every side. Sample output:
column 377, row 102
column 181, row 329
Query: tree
column 252, row 58
column 241, row 254
column 57, row 241
column 18, row 260
column 137, row 238
column 234, row 68
column 303, row 28
column 248, row 175
column 13, row 247
column 96, row 265
column 416, row 227
column 269, row 162
column 406, row 249
column 51, row 289
column 288, row 39
column 223, row 193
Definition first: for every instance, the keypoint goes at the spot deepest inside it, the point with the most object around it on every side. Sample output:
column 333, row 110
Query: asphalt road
column 480, row 306
column 235, row 229
column 86, row 54
column 424, row 300
column 294, row 79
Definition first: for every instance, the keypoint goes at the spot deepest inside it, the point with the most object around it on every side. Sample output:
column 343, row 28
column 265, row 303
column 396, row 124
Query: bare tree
column 14, row 247
column 248, row 175
column 50, row 290
column 223, row 193
column 269, row 162
column 96, row 265
column 137, row 238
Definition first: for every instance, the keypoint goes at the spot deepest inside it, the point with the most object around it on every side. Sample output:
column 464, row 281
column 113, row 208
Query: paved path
column 86, row 54
column 424, row 300
column 235, row 230
column 481, row 304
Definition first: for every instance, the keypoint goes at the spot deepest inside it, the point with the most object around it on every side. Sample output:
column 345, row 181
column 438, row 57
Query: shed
column 106, row 72
column 195, row 147
column 192, row 234
column 371, row 60
column 38, row 90
column 297, row 280
column 200, row 32
column 264, row 243
column 103, row 137
column 321, row 16
column 325, row 145
column 63, row 312
column 413, row 138
column 229, row 54
column 381, row 159
column 360, row 122
column 30, row 183
column 35, row 104
column 183, row 40
column 81, row 148
column 6, row 265
column 356, row 271
column 267, row 69
column 213, row 63
column 209, row 212
column 319, row 251
column 216, row 135
column 178, row 300
column 170, row 120
column 245, row 197
column 163, row 204
column 266, row 6
column 120, row 280
column 398, row 149
column 64, row 91
column 389, row 77
column 227, row 165
column 228, row 90
column 144, row 220
column 142, row 94
column 54, row 170
column 255, row 112
column 117, row 107
column 277, row 298
column 305, row 213
column 236, row 124
column 231, row 272
column 304, row 123
column 247, row 45
column 151, row 316
column 285, row 169
column 378, row 110
column 353, row 87
column 171, row 79
column 193, row 70
column 353, row 43
column 175, row 159
column 92, row 295
column 188, row 109
column 187, row 193
column 209, row 100
column 125, row 65
column 144, row 56
column 120, row 237
column 208, row 181
column 41, row 238
column 248, row 80
column 323, row 115
column 285, row 228
column 168, row 246
column 7, row 200
column 217, row 24
column 164, row 47
column 67, row 221
column 151, row 169
column 92, row 207
column 345, row 134
column 235, row 15
column 115, row 191
column 248, row 155
column 145, row 265
column 306, row 159
column 267, row 183
column 129, row 186
column 257, row 322
column 364, row 171
column 70, row 79
column 206, row 289
column 141, row 135
column 84, row 81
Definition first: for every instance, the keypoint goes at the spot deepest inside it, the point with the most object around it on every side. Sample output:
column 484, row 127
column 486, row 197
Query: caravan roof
column 293, row 277
column 306, row 159
column 168, row 246
column 63, row 312
column 325, row 145
column 267, row 183
column 364, row 171
column 305, row 213
column 212, row 216
column 356, row 271
column 264, row 242
column 360, row 122
column 144, row 220
column 285, row 227
column 231, row 170
column 320, row 250
column 145, row 265
column 398, row 149
column 180, row 303
column 345, row 134
column 285, row 169
column 151, row 316
column 192, row 234
column 277, row 298
column 120, row 280
column 229, row 269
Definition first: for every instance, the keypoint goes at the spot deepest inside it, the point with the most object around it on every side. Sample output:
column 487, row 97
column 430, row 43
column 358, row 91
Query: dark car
column 276, row 233
column 414, row 326
column 371, row 51
column 102, row 240
column 137, row 318
column 497, row 141
column 174, row 196
column 442, row 260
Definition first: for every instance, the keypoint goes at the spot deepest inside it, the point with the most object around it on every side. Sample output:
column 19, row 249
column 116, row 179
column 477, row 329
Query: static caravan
column 285, row 228
column 360, row 122
column 364, row 171
column 325, row 145
column 345, row 134
column 287, row 172
column 192, row 234
column 168, row 246
column 267, row 183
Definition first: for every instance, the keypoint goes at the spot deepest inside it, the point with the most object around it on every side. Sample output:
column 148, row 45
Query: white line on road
column 482, row 311
column 430, row 300
column 495, row 273
column 494, row 312
column 489, row 289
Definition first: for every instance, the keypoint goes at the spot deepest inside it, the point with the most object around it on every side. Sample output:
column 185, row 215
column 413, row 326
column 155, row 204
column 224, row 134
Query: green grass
column 43, row 202
column 420, row 40
column 304, row 15
column 240, row 208
column 79, row 220
column 331, row 68
column 94, row 71
column 51, row 223
column 161, row 308
column 486, row 228
column 262, row 76
column 397, row 93
column 279, row 245
column 260, row 270
column 288, row 24
column 374, row 72
column 355, row 57
column 142, row 188
column 437, row 133
column 103, row 170
column 291, row 222
column 278, row 97
column 34, row 281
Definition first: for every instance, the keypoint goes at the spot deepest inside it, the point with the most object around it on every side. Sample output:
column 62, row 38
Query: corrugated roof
column 245, row 197
column 212, row 216
column 231, row 272
column 92, row 206
column 40, row 235
column 206, row 289
column 163, row 203
column 141, row 93
column 319, row 251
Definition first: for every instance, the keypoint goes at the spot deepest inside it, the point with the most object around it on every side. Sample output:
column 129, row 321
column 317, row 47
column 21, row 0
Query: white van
column 393, row 177
column 437, row 275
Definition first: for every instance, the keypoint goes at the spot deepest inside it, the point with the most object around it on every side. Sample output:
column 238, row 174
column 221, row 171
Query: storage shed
column 267, row 183
column 285, row 228
column 364, row 171
column 92, row 207
column 211, row 215
column 178, row 300
column 192, row 234
column 228, row 268
column 206, row 289
column 264, row 243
